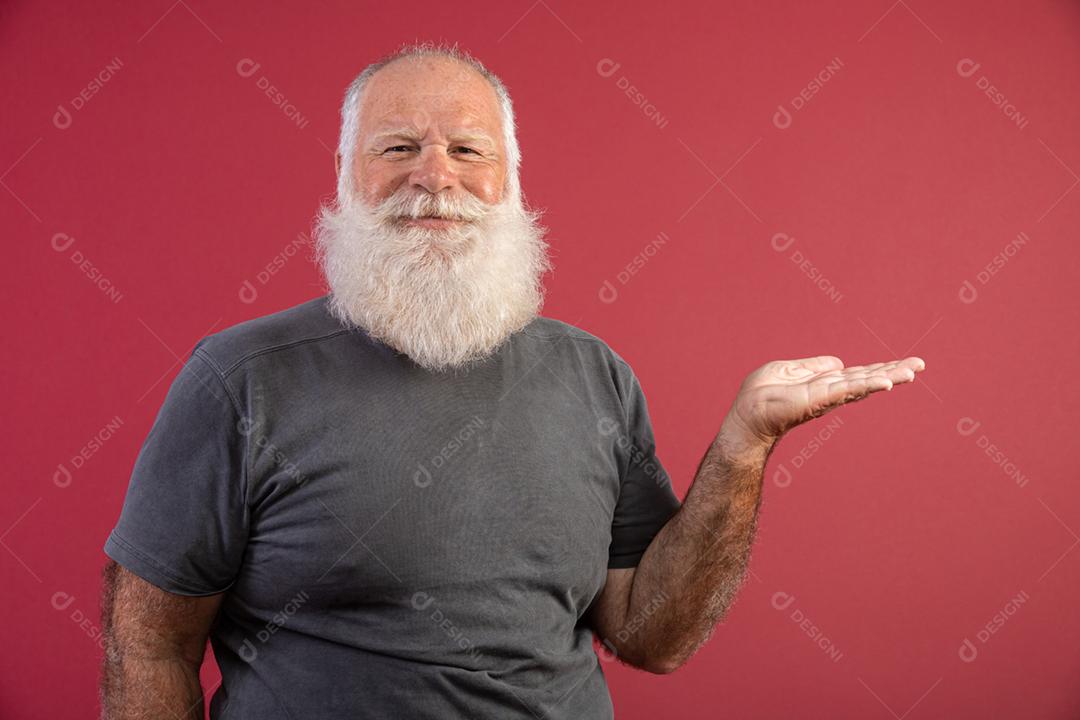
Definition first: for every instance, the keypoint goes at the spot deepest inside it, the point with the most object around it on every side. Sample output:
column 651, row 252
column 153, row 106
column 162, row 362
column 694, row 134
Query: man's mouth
column 432, row 222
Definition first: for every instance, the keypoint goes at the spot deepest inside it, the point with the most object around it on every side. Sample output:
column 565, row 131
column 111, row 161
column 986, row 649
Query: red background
column 898, row 536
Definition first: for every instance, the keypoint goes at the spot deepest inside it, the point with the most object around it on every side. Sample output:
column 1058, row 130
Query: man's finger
column 821, row 363
column 901, row 374
column 850, row 389
column 894, row 369
column 915, row 363
column 864, row 368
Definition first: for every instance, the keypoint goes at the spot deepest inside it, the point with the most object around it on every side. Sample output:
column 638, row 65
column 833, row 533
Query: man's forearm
column 150, row 688
column 691, row 571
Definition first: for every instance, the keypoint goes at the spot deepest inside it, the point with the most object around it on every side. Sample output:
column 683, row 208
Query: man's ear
column 337, row 164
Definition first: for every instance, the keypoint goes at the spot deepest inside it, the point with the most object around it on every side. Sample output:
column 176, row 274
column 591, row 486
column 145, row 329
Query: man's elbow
column 663, row 665
column 655, row 662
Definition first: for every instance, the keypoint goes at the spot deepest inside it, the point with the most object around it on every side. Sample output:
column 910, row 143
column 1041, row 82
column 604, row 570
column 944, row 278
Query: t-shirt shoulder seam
column 280, row 346
column 571, row 334
column 247, row 469
column 575, row 334
column 209, row 360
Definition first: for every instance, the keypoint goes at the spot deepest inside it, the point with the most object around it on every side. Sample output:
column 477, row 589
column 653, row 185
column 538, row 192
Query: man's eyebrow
column 404, row 133
column 392, row 133
column 472, row 136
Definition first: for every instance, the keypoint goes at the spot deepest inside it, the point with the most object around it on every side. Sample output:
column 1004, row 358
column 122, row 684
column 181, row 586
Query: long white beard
column 445, row 297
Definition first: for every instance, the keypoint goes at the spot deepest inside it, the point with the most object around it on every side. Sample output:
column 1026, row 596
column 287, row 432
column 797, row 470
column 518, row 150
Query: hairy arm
column 655, row 616
column 154, row 646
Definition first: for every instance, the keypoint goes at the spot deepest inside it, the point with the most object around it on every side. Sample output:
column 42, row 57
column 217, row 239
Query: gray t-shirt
column 394, row 542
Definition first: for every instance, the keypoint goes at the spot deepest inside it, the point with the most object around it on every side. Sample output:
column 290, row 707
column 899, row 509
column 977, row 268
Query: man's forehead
column 418, row 115
column 420, row 120
column 429, row 80
column 441, row 108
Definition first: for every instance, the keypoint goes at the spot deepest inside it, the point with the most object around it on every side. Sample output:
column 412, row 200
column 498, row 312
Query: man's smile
column 435, row 223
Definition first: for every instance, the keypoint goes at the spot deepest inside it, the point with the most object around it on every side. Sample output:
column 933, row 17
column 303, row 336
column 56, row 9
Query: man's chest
column 381, row 494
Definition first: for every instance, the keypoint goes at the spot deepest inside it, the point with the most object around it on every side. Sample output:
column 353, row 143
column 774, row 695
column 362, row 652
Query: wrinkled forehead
column 422, row 91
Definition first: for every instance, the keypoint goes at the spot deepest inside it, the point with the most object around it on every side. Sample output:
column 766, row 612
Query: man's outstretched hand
column 782, row 394
column 698, row 559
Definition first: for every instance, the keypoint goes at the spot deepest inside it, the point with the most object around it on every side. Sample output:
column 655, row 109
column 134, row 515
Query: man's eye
column 409, row 148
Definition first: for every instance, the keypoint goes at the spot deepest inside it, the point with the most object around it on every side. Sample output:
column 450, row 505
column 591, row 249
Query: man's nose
column 434, row 172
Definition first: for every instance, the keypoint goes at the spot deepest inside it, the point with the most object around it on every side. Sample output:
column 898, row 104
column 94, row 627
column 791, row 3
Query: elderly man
column 416, row 497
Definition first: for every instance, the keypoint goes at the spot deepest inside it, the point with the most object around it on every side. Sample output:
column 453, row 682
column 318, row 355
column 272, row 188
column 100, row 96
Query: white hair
column 350, row 112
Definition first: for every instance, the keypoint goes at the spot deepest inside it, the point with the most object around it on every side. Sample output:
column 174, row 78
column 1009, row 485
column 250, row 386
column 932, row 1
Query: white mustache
column 407, row 205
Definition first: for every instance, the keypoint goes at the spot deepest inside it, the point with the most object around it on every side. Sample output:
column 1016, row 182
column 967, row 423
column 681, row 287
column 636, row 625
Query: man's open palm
column 782, row 394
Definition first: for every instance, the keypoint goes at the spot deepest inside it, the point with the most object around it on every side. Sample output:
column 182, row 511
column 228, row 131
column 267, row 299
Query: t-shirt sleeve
column 646, row 498
column 184, row 523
